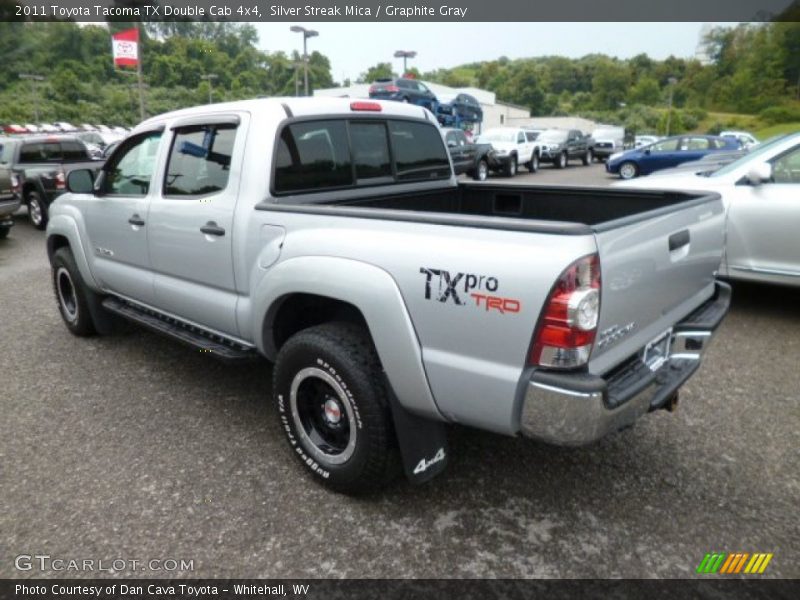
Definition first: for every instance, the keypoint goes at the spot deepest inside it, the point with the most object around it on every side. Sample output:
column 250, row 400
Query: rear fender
column 375, row 294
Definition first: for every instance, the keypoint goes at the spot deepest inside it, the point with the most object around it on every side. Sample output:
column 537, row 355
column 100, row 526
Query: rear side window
column 418, row 151
column 200, row 160
column 40, row 152
column 313, row 156
column 73, row 151
column 324, row 155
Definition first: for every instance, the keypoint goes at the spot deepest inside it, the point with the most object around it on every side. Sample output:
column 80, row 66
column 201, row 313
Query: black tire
column 511, row 166
column 333, row 407
column 533, row 165
column 587, row 158
column 628, row 170
column 562, row 161
column 481, row 172
column 72, row 295
column 4, row 232
column 37, row 210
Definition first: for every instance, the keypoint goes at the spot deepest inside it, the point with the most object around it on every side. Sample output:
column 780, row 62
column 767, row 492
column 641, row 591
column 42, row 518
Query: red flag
column 125, row 46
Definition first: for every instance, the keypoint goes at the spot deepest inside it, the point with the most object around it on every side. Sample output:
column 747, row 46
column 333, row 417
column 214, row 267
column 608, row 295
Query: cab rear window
column 37, row 152
column 332, row 154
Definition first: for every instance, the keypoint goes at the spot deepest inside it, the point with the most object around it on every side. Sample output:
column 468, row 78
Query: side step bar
column 207, row 342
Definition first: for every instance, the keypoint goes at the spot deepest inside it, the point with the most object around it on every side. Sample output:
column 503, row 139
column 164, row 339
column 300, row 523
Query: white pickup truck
column 331, row 237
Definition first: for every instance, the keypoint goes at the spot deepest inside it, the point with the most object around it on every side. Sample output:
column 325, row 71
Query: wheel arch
column 305, row 291
column 62, row 232
column 33, row 185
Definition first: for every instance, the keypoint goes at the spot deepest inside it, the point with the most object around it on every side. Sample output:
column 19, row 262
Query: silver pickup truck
column 331, row 237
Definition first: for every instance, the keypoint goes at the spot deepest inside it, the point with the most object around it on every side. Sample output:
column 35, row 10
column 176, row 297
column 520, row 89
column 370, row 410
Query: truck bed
column 572, row 209
column 659, row 250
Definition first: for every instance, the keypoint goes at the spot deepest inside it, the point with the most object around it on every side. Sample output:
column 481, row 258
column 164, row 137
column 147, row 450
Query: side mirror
column 452, row 143
column 647, row 151
column 81, row 181
column 759, row 173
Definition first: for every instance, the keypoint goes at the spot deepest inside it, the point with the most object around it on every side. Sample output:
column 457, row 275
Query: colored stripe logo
column 733, row 563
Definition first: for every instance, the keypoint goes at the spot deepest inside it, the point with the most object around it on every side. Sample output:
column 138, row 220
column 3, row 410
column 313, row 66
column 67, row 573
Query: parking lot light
column 307, row 33
column 405, row 55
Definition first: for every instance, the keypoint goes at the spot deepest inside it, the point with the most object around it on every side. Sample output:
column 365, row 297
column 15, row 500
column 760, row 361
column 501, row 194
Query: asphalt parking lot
column 134, row 447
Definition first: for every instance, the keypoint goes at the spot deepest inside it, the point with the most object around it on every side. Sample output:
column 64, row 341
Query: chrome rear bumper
column 578, row 408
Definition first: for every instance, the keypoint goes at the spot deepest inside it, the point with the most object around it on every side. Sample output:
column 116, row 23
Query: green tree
column 645, row 91
column 610, row 85
column 380, row 71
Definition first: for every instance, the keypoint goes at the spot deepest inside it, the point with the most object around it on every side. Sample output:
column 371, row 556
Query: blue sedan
column 667, row 153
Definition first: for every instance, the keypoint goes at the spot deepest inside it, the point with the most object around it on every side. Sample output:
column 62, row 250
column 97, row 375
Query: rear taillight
column 392, row 89
column 61, row 181
column 14, row 183
column 568, row 325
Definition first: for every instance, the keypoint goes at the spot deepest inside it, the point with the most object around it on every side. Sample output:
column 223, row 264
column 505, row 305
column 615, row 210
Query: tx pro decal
column 467, row 289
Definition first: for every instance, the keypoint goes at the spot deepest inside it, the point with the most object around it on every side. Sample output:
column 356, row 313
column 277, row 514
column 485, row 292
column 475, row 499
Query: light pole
column 209, row 77
column 307, row 33
column 671, row 81
column 33, row 79
column 405, row 55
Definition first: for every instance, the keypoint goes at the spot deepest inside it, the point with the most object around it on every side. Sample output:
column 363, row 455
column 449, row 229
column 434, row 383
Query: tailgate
column 655, row 270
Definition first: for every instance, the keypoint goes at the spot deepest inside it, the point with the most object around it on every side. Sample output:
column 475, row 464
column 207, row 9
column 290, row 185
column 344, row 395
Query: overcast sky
column 354, row 47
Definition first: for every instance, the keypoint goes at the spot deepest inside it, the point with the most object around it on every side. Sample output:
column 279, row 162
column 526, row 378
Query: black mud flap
column 423, row 443
column 104, row 322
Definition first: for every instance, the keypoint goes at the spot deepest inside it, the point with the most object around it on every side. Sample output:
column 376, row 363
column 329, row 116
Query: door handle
column 211, row 228
column 679, row 240
column 136, row 220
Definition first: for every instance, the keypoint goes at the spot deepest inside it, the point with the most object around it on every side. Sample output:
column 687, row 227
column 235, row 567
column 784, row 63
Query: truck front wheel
column 333, row 407
column 511, row 166
column 72, row 295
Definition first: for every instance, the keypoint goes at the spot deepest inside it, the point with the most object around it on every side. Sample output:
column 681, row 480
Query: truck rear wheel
column 37, row 211
column 481, row 171
column 333, row 407
column 72, row 295
column 561, row 161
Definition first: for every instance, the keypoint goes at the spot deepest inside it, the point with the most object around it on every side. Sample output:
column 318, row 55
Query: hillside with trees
column 82, row 85
column 752, row 68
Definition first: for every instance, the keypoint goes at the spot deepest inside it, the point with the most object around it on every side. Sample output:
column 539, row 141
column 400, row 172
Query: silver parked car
column 761, row 193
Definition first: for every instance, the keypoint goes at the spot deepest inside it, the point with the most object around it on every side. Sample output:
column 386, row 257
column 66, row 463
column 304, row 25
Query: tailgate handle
column 678, row 240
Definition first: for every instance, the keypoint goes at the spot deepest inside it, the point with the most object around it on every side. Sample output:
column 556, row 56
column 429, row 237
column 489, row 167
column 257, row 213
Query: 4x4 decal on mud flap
column 441, row 285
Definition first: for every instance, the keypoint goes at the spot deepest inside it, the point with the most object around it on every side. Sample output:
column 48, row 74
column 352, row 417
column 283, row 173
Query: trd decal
column 443, row 286
column 503, row 305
